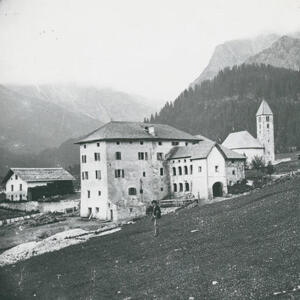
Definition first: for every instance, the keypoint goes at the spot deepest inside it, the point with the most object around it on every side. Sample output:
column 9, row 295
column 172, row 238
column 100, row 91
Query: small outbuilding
column 29, row 184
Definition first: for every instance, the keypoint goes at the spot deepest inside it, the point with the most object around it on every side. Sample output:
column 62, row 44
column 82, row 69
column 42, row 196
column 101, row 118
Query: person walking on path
column 156, row 214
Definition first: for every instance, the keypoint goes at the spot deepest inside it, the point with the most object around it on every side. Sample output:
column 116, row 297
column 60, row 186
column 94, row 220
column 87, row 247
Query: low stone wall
column 59, row 206
column 17, row 219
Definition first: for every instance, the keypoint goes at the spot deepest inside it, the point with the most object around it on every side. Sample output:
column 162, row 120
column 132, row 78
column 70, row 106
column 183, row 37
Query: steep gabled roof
column 241, row 140
column 39, row 174
column 197, row 151
column 264, row 109
column 116, row 130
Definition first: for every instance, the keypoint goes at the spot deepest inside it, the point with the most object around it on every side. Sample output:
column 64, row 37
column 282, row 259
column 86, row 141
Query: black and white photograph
column 150, row 149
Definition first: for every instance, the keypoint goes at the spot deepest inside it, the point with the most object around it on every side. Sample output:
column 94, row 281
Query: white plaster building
column 19, row 181
column 126, row 165
column 262, row 146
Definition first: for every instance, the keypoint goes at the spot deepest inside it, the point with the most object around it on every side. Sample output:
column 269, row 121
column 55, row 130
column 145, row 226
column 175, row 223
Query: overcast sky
column 154, row 48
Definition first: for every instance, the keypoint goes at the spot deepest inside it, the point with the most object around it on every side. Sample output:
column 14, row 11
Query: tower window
column 161, row 171
column 267, row 118
column 216, row 169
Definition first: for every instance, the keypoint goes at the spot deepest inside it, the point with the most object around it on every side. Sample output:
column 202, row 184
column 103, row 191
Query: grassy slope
column 248, row 245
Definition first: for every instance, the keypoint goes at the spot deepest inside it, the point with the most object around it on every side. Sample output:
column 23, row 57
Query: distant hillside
column 229, row 103
column 66, row 156
column 233, row 53
column 284, row 53
column 28, row 124
column 101, row 104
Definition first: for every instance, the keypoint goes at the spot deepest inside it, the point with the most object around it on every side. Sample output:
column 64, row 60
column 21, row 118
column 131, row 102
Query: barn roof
column 202, row 150
column 241, row 140
column 117, row 130
column 39, row 174
column 264, row 109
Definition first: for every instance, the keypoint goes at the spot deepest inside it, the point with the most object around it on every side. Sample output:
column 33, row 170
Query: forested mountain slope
column 229, row 103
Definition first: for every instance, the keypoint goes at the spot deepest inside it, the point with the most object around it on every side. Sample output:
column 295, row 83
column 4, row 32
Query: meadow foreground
column 244, row 248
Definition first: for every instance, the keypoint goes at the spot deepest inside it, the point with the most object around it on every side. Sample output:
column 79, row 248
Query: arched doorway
column 217, row 189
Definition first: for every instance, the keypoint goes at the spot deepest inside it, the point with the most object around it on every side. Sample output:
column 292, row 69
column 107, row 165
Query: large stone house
column 126, row 165
column 262, row 146
column 26, row 184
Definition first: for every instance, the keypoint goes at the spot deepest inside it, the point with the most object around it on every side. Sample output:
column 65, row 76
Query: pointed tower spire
column 265, row 130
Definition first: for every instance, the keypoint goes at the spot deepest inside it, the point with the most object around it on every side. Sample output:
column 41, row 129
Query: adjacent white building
column 126, row 165
column 262, row 146
column 21, row 182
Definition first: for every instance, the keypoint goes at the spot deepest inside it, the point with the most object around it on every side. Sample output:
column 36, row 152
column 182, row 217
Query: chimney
column 150, row 129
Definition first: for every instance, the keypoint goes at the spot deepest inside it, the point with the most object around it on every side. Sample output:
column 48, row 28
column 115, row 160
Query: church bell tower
column 265, row 131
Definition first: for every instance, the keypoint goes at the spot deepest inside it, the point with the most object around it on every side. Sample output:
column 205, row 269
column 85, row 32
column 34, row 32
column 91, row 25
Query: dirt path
column 15, row 234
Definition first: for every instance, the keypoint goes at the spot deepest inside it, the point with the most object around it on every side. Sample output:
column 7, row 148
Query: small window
column 175, row 187
column 216, row 169
column 187, row 187
column 161, row 171
column 84, row 146
column 175, row 143
column 199, row 169
column 118, row 143
column 21, row 187
column 99, row 193
column 179, row 171
column 144, row 174
column 160, row 156
column 141, row 191
column 161, row 189
column 119, row 173
column 130, row 142
column 97, row 156
column 12, row 198
column 180, row 187
column 97, row 209
column 83, row 159
column 267, row 118
column 98, row 144
column 118, row 155
column 12, row 188
column 141, row 142
column 159, row 143
column 132, row 191
column 174, row 171
column 85, row 175
column 186, row 143
column 16, row 177
column 191, row 169
column 268, row 125
column 130, row 209
column 233, row 172
column 185, row 170
column 89, row 194
column 143, row 155
column 98, row 174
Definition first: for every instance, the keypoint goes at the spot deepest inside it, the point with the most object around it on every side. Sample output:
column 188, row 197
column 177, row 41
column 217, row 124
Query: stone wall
column 60, row 206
